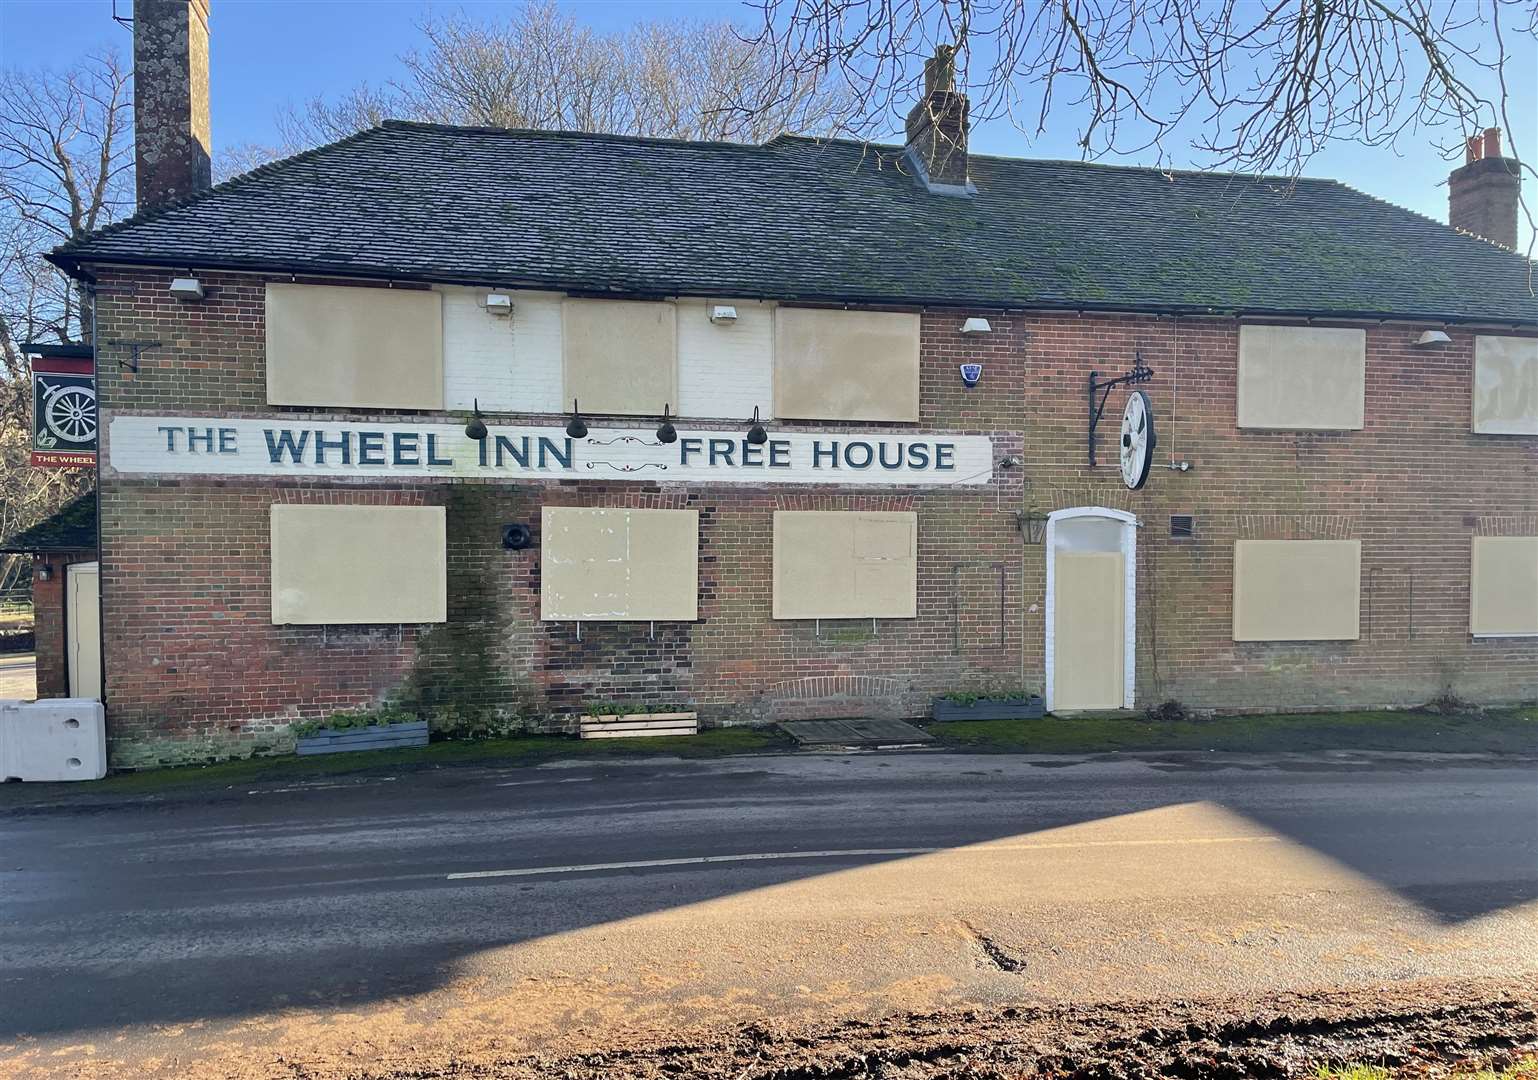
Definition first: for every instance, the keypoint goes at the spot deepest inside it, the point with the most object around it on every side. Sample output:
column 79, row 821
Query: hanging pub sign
column 63, row 407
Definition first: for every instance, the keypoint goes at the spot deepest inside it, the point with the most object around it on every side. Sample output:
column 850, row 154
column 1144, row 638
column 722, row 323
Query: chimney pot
column 171, row 124
column 1492, row 142
column 937, row 128
column 1473, row 149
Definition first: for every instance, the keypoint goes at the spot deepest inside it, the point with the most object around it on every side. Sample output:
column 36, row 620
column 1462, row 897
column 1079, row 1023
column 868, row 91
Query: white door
column 83, row 631
column 1091, row 556
column 1087, row 618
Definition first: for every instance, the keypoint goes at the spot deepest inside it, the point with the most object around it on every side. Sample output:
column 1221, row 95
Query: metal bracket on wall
column 135, row 349
column 1140, row 373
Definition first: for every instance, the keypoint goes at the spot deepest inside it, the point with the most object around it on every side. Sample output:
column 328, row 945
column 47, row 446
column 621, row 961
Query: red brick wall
column 193, row 660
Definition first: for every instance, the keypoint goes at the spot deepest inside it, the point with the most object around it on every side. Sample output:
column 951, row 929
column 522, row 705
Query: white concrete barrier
column 53, row 739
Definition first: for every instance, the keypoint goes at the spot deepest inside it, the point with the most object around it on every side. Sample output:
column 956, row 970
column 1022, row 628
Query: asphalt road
column 562, row 903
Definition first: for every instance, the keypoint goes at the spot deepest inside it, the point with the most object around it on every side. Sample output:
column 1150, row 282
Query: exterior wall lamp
column 576, row 429
column 186, row 288
column 756, row 433
column 1032, row 524
column 666, row 432
column 45, row 571
column 476, row 428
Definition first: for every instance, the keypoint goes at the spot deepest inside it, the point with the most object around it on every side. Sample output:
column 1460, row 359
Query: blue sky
column 266, row 53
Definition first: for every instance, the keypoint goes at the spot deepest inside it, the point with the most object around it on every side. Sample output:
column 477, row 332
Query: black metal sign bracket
column 1140, row 373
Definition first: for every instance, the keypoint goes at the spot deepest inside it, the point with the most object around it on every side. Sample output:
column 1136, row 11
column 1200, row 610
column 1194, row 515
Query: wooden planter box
column 1030, row 708
column 378, row 737
column 638, row 725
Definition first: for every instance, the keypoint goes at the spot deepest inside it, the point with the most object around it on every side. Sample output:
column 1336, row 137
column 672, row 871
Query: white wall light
column 723, row 314
column 499, row 304
column 1432, row 337
column 976, row 326
column 187, row 288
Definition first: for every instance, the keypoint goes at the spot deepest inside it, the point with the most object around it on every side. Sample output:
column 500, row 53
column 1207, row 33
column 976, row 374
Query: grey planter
column 378, row 737
column 1030, row 708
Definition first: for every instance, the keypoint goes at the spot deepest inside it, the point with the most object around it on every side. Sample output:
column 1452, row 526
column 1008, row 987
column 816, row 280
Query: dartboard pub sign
column 63, row 412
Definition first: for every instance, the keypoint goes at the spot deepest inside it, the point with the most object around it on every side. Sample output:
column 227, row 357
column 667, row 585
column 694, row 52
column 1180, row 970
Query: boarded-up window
column 1301, row 377
column 354, row 347
column 845, row 565
column 359, row 564
column 1297, row 590
column 617, row 565
column 846, row 365
column 1503, row 595
column 1506, row 385
column 620, row 356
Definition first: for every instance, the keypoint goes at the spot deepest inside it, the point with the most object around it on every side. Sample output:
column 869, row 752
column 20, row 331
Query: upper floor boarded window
column 620, row 356
column 1297, row 590
column 604, row 564
column 331, row 345
column 1301, row 378
column 1505, row 385
column 845, row 564
column 359, row 564
column 846, row 365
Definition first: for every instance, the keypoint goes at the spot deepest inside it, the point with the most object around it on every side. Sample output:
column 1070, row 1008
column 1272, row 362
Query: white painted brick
column 724, row 371
column 478, row 353
column 537, row 349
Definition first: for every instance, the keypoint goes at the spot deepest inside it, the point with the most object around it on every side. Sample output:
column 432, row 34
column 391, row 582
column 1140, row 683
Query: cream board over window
column 359, row 564
column 354, row 347
column 846, row 365
column 1301, row 378
column 1505, row 385
column 1297, row 590
column 1503, row 593
column 617, row 565
column 620, row 356
column 845, row 564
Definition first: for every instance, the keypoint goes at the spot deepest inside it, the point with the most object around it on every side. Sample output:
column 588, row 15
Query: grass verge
column 1505, row 731
column 524, row 750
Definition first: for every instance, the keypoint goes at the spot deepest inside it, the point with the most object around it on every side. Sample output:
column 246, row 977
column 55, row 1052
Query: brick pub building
column 1341, row 509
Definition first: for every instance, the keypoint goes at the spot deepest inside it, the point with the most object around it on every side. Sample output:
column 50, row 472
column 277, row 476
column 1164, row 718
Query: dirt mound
column 1416, row 1029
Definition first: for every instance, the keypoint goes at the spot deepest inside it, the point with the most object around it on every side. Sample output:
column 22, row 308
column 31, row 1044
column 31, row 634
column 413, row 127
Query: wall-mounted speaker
column 516, row 537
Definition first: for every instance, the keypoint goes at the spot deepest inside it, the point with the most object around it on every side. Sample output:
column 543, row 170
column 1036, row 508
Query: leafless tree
column 541, row 68
column 1249, row 85
column 65, row 161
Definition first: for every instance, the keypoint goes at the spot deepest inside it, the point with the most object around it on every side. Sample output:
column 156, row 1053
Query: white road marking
column 845, row 853
column 321, row 787
column 567, row 780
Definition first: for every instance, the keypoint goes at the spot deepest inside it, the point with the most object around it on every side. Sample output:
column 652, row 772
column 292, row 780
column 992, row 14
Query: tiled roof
column 800, row 219
column 73, row 528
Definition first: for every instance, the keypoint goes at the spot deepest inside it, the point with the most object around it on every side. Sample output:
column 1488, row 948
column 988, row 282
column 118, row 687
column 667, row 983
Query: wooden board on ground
column 639, row 726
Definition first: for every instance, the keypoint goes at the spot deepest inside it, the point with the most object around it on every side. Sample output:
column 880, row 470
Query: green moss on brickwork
column 459, row 681
column 172, row 750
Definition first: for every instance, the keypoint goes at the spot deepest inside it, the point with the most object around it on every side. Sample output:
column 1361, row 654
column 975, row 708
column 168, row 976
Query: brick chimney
column 1482, row 193
column 937, row 128
column 171, row 129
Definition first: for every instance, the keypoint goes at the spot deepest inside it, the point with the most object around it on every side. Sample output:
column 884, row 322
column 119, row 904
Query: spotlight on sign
column 476, row 428
column 576, row 429
column 971, row 375
column 756, row 433
column 666, row 432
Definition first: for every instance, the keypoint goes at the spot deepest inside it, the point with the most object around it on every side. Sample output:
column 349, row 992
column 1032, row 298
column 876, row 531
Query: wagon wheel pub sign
column 63, row 406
